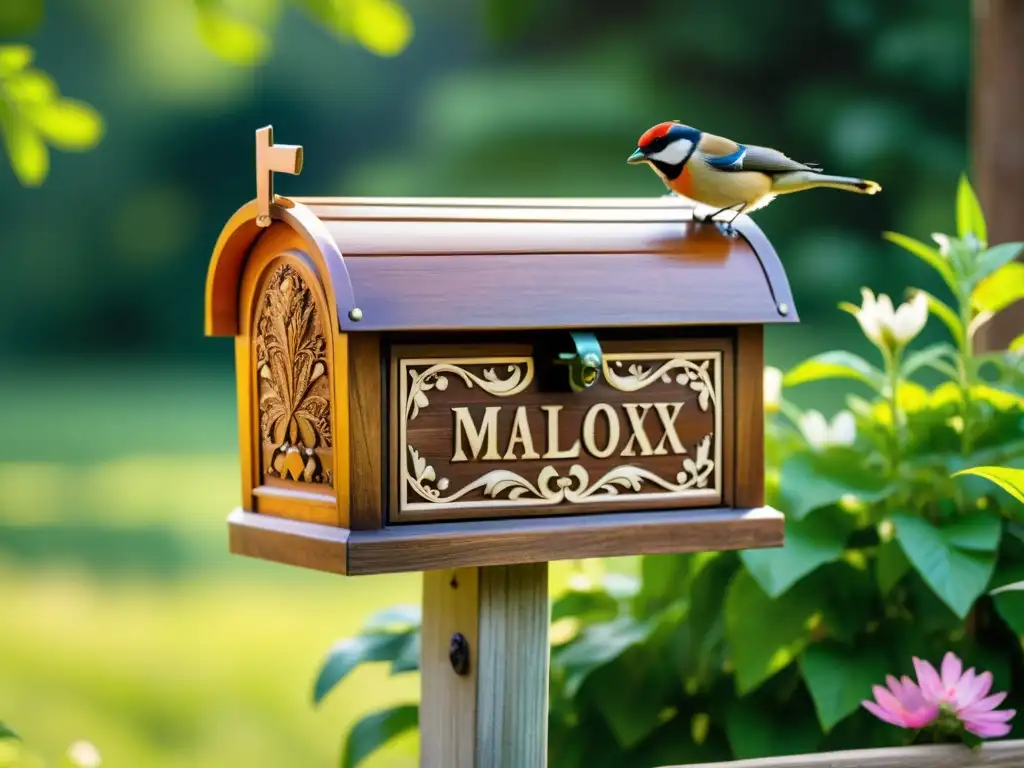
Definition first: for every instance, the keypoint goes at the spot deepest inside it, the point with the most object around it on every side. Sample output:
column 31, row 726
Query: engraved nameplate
column 476, row 437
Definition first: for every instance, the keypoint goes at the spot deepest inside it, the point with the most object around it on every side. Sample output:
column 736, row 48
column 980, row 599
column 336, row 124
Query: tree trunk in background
column 998, row 139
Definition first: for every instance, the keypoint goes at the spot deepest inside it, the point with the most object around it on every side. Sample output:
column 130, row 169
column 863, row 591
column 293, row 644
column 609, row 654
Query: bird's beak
column 637, row 157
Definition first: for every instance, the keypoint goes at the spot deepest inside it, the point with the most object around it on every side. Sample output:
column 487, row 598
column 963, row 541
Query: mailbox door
column 479, row 431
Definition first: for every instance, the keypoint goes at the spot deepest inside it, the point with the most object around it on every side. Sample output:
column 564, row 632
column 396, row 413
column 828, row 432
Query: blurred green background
column 122, row 617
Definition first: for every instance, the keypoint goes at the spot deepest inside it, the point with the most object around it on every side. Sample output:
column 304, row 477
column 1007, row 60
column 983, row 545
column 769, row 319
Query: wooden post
column 494, row 714
column 997, row 127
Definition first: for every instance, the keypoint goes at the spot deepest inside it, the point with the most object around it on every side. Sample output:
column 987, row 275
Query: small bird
column 726, row 175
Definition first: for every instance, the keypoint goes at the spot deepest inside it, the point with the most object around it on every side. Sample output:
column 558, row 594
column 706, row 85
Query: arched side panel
column 292, row 420
column 231, row 251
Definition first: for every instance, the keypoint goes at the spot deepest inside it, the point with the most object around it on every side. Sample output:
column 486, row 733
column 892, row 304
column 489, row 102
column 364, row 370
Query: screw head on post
column 458, row 654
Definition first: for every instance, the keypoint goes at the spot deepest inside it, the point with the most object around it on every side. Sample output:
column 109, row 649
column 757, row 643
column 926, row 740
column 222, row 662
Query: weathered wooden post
column 474, row 388
column 996, row 126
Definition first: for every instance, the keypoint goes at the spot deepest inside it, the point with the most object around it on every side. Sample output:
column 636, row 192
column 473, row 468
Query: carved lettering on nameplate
column 293, row 382
column 476, row 435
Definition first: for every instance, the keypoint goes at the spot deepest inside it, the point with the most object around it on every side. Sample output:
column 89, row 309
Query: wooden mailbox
column 437, row 383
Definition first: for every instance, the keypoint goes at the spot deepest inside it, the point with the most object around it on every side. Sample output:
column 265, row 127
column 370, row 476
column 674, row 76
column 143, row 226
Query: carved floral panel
column 293, row 383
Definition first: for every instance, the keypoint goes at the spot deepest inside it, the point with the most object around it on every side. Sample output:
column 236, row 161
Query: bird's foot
column 726, row 228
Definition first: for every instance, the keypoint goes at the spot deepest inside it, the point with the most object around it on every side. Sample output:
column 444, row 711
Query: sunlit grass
column 200, row 673
column 123, row 618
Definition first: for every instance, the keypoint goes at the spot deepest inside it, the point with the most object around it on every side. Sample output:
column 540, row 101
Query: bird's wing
column 763, row 159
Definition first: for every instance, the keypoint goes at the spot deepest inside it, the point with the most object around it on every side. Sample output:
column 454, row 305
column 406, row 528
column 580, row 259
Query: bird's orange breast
column 683, row 183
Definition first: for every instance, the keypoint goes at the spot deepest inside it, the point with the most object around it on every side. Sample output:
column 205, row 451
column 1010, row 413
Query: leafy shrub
column 719, row 656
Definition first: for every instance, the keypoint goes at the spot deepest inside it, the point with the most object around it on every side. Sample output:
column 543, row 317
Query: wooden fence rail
column 1000, row 754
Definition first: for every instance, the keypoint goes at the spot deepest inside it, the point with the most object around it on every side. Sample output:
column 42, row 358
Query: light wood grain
column 1004, row 754
column 496, row 715
column 448, row 701
column 298, row 500
column 512, row 672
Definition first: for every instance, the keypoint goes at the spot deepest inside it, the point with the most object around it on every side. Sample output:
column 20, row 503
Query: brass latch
column 572, row 361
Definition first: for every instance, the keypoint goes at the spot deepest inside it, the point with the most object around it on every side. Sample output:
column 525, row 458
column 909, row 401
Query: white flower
column 772, row 388
column 83, row 754
column 890, row 327
column 820, row 434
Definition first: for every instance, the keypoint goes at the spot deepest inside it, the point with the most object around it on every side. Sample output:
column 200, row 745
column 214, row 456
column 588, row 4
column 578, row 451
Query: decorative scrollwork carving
column 293, row 381
column 691, row 373
column 575, row 487
column 575, row 484
column 491, row 383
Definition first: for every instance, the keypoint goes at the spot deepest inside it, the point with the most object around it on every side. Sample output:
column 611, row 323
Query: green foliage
column 33, row 116
column 20, row 17
column 1010, row 480
column 376, row 730
column 771, row 651
column 238, row 36
column 392, row 635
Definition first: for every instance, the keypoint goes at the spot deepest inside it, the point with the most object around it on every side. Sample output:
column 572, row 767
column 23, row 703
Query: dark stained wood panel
column 566, row 291
column 482, row 430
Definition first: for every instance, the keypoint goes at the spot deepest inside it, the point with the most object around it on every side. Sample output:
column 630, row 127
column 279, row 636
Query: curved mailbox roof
column 487, row 264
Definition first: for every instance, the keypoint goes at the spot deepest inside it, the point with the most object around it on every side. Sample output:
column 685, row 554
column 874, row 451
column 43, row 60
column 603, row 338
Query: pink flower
column 901, row 704
column 966, row 695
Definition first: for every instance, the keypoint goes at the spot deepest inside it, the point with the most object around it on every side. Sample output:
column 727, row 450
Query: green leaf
column 31, row 87
column 946, row 314
column 892, row 565
column 662, row 578
column 766, row 635
column 234, row 40
column 353, row 651
column 956, row 561
column 977, row 533
column 7, row 733
column 816, row 480
column 999, row 290
column 66, row 124
column 839, row 678
column 1017, row 345
column 929, row 255
column 1008, row 595
column 14, row 58
column 382, row 27
column 850, row 599
column 835, row 365
column 377, row 729
column 1010, row 480
column 596, row 646
column 633, row 690
column 590, row 605
column 970, row 221
column 26, row 151
column 810, row 543
column 700, row 646
column 20, row 17
column 995, row 257
column 396, row 617
column 758, row 729
column 935, row 356
column 408, row 658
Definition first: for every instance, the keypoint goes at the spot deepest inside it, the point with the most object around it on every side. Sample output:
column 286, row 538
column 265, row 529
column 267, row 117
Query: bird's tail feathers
column 800, row 180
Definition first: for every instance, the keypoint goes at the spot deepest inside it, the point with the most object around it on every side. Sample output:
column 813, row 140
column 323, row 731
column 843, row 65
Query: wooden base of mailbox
column 437, row 546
